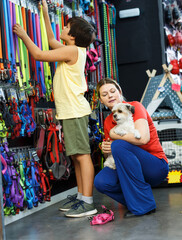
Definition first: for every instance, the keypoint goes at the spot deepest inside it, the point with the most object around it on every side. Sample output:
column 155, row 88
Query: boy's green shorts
column 76, row 136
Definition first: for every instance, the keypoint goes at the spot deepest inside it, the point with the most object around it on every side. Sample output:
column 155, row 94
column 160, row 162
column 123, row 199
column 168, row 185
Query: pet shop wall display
column 122, row 114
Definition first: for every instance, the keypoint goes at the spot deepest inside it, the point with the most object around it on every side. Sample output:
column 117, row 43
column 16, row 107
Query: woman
column 140, row 163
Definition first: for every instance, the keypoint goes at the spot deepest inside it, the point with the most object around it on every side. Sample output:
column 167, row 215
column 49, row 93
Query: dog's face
column 122, row 111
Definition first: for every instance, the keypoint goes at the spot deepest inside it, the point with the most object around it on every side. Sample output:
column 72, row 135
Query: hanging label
column 161, row 89
column 23, row 3
column 11, row 94
column 21, row 96
column 2, row 94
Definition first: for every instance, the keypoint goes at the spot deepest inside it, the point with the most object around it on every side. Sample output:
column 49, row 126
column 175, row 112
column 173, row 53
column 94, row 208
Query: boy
column 72, row 108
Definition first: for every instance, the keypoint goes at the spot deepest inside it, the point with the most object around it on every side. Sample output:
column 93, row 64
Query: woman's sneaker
column 67, row 203
column 81, row 209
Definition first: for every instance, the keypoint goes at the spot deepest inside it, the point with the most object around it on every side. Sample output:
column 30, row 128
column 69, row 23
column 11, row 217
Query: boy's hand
column 106, row 146
column 44, row 6
column 19, row 31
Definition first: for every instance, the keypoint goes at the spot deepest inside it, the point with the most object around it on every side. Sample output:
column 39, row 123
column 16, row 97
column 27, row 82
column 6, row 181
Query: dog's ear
column 131, row 108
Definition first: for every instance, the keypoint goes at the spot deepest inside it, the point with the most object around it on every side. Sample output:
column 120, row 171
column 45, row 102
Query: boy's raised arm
column 67, row 54
column 53, row 43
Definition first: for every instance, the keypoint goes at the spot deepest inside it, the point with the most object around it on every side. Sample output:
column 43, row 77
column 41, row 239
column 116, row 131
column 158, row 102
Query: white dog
column 122, row 114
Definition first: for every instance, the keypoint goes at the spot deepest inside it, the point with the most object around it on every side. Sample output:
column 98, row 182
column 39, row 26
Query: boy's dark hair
column 82, row 30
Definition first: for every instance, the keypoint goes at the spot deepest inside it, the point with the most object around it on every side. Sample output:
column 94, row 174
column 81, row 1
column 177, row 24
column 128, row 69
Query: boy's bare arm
column 68, row 54
column 53, row 43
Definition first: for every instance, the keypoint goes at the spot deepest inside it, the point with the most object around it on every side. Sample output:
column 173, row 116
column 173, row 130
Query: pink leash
column 102, row 218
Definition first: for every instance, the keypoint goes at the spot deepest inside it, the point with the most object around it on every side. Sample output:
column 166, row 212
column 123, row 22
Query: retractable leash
column 102, row 218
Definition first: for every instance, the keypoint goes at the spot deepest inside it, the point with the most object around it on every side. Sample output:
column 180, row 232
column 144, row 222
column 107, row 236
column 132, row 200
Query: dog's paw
column 112, row 166
column 120, row 132
column 137, row 134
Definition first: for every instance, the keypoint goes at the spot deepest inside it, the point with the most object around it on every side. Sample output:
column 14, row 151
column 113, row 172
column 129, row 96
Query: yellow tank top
column 69, row 85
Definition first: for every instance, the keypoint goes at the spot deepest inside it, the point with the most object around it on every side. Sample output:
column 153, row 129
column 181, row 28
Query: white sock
column 88, row 200
column 79, row 196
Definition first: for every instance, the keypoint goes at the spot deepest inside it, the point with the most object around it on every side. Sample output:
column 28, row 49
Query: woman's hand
column 44, row 6
column 19, row 31
column 106, row 146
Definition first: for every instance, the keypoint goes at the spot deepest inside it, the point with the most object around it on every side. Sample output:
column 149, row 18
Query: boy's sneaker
column 67, row 203
column 81, row 209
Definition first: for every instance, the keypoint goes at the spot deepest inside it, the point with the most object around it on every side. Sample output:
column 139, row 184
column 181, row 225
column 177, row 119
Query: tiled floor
column 50, row 224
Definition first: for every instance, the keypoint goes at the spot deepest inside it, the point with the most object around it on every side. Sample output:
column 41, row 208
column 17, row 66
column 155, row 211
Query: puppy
column 122, row 114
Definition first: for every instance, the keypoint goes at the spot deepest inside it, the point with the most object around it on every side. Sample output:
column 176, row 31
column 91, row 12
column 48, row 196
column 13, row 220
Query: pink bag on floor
column 102, row 218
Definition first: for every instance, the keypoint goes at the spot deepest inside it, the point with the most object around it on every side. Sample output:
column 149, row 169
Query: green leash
column 45, row 47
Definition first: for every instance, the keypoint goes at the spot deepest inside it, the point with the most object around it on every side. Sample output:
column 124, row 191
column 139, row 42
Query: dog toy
column 102, row 218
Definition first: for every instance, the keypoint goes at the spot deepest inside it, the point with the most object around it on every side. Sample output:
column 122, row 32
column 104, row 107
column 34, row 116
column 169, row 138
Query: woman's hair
column 107, row 81
column 82, row 30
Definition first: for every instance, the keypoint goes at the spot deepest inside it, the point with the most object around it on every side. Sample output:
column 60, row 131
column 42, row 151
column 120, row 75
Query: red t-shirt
column 153, row 146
